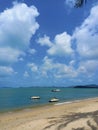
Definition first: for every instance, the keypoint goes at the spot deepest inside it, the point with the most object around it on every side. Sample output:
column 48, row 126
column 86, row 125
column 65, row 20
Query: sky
column 48, row 43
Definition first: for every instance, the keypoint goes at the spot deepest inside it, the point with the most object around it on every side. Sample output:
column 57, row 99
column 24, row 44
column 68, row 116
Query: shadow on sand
column 64, row 120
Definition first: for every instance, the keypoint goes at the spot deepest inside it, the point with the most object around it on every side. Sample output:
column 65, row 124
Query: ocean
column 19, row 98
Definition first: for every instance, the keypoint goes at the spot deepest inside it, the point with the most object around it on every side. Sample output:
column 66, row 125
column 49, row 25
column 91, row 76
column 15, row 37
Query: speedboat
column 54, row 100
column 35, row 97
column 56, row 90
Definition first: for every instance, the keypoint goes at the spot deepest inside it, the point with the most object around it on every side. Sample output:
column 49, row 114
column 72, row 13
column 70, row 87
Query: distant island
column 86, row 86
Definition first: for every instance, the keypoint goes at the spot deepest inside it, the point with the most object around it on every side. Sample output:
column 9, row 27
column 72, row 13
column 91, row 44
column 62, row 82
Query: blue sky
column 48, row 43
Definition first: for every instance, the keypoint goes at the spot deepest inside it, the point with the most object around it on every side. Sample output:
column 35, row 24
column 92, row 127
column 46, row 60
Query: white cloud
column 85, row 62
column 26, row 74
column 44, row 41
column 72, row 62
column 60, row 70
column 32, row 51
column 62, row 45
column 6, row 71
column 88, row 67
column 17, row 25
column 9, row 55
column 87, row 36
column 33, row 67
column 47, row 62
column 57, row 70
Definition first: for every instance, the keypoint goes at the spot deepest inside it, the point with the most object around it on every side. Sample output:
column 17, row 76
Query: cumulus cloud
column 17, row 25
column 44, row 41
column 6, row 71
column 88, row 67
column 50, row 68
column 87, row 36
column 57, row 70
column 33, row 67
column 85, row 60
column 26, row 74
column 9, row 55
column 60, row 46
column 61, row 70
column 31, row 51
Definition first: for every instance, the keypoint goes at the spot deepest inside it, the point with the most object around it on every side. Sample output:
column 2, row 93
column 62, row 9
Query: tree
column 79, row 3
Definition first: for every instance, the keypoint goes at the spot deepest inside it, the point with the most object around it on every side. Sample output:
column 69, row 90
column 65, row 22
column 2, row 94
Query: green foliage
column 79, row 3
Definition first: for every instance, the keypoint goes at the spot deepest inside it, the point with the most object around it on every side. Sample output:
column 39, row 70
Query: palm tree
column 79, row 3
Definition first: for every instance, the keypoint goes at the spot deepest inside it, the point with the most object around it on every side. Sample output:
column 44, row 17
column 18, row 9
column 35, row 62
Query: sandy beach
column 78, row 115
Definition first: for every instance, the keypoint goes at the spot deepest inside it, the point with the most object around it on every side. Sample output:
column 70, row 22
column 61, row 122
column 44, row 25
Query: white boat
column 35, row 97
column 56, row 90
column 54, row 100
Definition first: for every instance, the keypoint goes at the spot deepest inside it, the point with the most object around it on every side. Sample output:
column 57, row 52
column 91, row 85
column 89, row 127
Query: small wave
column 62, row 103
column 75, row 101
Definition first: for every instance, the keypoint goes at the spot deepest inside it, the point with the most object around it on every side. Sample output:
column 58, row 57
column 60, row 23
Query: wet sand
column 79, row 115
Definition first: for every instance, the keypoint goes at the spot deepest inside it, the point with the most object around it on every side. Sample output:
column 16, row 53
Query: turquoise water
column 16, row 98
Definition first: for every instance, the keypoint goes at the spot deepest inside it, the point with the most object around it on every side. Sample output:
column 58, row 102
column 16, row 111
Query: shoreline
column 75, row 101
column 45, row 105
column 53, row 117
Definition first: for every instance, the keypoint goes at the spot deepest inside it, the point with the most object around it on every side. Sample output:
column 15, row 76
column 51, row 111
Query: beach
column 77, row 115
